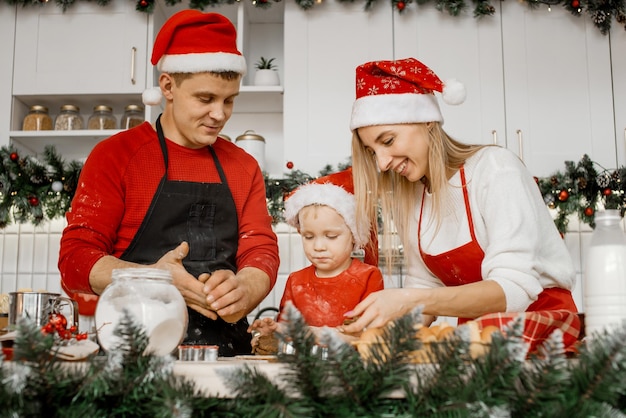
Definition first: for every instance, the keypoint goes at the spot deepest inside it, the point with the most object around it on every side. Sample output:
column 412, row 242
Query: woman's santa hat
column 331, row 195
column 195, row 42
column 402, row 91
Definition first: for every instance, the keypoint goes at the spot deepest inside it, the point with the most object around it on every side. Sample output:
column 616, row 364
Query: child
column 335, row 282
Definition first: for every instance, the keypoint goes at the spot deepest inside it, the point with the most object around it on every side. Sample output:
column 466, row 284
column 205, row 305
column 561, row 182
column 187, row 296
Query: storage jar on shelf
column 148, row 296
column 68, row 119
column 253, row 144
column 102, row 118
column 37, row 119
column 605, row 274
column 133, row 116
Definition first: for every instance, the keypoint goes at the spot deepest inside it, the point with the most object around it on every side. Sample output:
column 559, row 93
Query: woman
column 476, row 233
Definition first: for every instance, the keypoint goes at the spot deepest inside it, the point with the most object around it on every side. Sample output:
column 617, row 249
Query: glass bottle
column 148, row 295
column 102, row 118
column 605, row 274
column 37, row 119
column 68, row 119
column 133, row 116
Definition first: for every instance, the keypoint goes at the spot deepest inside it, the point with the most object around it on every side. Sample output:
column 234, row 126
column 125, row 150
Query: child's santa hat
column 402, row 91
column 327, row 194
column 195, row 42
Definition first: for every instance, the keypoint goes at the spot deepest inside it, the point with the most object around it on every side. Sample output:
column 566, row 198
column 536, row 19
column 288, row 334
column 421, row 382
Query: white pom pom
column 151, row 96
column 453, row 92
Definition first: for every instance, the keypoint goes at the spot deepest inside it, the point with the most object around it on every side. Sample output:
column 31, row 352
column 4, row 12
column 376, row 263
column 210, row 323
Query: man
column 177, row 197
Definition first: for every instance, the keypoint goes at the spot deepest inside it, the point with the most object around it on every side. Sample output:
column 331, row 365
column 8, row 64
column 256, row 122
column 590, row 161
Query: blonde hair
column 395, row 196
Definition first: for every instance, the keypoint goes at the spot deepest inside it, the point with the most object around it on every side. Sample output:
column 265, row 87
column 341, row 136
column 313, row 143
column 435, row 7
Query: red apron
column 462, row 265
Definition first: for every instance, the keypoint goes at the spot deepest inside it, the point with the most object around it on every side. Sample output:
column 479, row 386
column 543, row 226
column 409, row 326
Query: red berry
column 81, row 336
column 289, row 165
column 48, row 328
column 33, row 201
column 73, row 329
column 14, row 157
column 564, row 195
column 57, row 320
column 401, row 5
column 607, row 191
column 575, row 3
column 589, row 211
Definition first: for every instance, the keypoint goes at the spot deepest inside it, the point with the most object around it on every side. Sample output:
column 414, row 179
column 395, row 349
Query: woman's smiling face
column 402, row 148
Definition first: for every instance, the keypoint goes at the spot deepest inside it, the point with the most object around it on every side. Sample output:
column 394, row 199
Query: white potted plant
column 266, row 74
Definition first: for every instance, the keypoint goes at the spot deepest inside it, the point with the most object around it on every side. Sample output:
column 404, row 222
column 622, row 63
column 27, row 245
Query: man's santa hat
column 402, row 91
column 331, row 195
column 195, row 42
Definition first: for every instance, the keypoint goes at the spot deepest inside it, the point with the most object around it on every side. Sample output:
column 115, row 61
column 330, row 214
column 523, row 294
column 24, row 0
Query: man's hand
column 190, row 287
column 232, row 295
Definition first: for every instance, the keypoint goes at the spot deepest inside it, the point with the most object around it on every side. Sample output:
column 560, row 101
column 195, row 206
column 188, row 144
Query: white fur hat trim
column 331, row 195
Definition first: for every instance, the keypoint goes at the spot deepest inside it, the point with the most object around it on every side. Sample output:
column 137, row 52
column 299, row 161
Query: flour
column 159, row 309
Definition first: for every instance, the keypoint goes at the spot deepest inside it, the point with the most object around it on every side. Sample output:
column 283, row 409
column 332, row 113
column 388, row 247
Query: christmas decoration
column 32, row 190
column 504, row 382
column 601, row 12
column 582, row 190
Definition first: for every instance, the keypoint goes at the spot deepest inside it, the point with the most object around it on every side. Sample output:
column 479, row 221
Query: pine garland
column 505, row 382
column 601, row 12
column 32, row 191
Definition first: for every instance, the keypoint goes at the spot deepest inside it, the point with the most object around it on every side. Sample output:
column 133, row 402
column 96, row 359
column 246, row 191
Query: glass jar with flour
column 148, row 296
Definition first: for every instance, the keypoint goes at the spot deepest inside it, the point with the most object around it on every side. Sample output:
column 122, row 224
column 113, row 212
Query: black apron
column 204, row 215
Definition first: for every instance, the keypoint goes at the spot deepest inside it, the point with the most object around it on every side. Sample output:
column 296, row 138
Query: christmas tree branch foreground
column 504, row 382
column 37, row 189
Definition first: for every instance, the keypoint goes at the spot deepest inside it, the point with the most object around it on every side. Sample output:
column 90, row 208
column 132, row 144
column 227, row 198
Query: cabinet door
column 323, row 46
column 88, row 49
column 618, row 59
column 558, row 92
column 464, row 48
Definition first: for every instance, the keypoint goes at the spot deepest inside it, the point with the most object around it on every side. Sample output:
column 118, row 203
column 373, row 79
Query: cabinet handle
column 133, row 53
column 494, row 134
column 520, row 139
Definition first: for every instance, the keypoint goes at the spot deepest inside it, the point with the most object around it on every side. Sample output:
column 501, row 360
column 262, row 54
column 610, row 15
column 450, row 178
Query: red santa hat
column 195, row 42
column 327, row 194
column 402, row 91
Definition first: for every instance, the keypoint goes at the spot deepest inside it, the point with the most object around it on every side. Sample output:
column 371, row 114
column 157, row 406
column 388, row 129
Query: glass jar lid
column 141, row 273
column 38, row 108
column 134, row 107
column 70, row 108
column 102, row 108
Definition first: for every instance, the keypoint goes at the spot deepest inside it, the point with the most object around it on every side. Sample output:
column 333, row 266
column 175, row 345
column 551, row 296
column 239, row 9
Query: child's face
column 326, row 239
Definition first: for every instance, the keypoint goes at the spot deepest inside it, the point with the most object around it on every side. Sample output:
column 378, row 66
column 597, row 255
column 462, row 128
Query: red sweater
column 117, row 184
column 323, row 301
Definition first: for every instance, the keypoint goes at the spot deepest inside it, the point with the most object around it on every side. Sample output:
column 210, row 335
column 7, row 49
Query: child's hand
column 263, row 326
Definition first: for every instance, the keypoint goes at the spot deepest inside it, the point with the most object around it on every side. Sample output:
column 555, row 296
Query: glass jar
column 68, row 119
column 102, row 118
column 149, row 296
column 605, row 274
column 37, row 119
column 133, row 116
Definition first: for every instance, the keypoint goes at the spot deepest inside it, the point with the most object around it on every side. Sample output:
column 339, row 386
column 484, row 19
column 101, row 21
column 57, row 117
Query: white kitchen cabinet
column 618, row 60
column 323, row 46
column 558, row 92
column 462, row 48
column 92, row 55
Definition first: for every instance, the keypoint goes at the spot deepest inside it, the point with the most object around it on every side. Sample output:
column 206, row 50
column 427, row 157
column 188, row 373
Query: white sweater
column 524, row 251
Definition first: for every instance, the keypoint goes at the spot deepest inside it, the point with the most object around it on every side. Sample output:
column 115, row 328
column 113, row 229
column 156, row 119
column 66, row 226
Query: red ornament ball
column 589, row 211
column 57, row 320
column 401, row 5
column 33, row 201
column 607, row 191
column 289, row 165
column 575, row 3
column 143, row 3
column 14, row 157
column 563, row 195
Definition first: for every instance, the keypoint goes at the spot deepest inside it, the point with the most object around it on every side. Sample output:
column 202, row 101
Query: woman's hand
column 378, row 308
